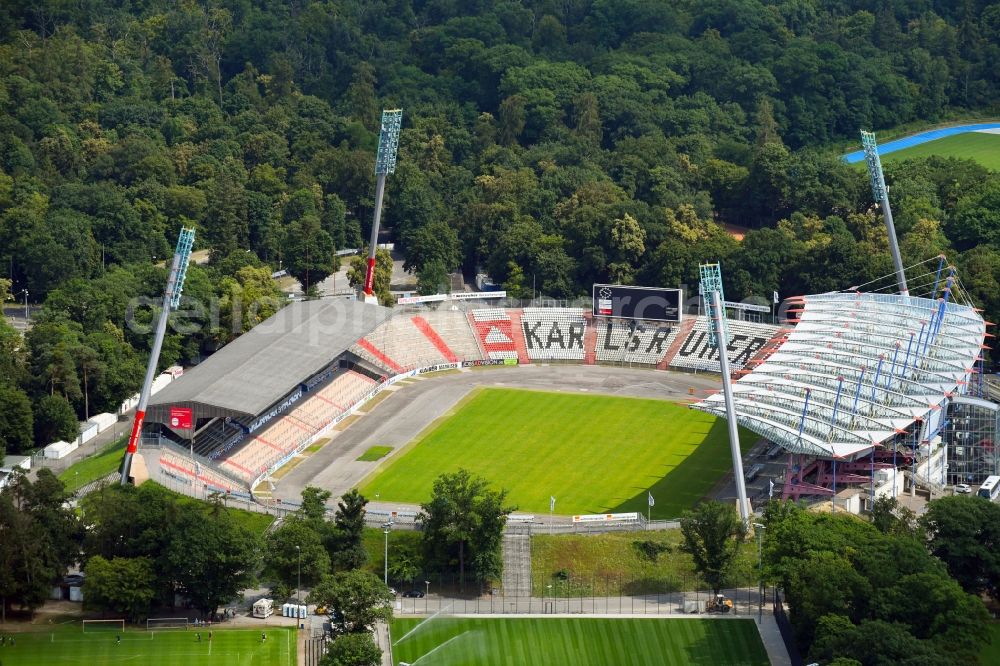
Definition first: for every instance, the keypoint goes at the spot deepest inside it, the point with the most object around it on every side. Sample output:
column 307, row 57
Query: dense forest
column 549, row 143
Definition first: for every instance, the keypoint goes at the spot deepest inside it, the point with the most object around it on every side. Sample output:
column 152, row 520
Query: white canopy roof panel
column 856, row 370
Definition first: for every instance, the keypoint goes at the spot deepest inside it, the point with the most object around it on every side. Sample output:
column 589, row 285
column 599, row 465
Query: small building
column 11, row 463
column 970, row 434
column 263, row 608
column 57, row 450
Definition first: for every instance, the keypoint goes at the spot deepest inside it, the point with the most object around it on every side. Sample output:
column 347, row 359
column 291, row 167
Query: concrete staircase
column 518, row 337
column 590, row 340
column 687, row 325
column 517, row 562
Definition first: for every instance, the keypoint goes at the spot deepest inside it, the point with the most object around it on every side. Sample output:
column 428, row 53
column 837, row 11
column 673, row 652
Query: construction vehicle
column 720, row 604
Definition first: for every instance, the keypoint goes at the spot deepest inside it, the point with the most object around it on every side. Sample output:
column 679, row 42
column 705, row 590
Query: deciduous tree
column 712, row 534
column 54, row 420
column 295, row 552
column 353, row 650
column 355, row 601
column 464, row 520
column 211, row 557
column 349, row 524
column 964, row 533
column 123, row 586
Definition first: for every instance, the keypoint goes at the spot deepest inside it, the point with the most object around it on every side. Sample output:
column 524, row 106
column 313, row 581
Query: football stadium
column 853, row 396
column 857, row 394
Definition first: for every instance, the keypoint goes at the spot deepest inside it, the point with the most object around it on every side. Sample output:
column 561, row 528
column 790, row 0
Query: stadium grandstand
column 249, row 408
column 862, row 390
column 260, row 398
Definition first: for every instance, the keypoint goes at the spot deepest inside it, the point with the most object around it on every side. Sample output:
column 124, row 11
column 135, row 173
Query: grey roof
column 258, row 368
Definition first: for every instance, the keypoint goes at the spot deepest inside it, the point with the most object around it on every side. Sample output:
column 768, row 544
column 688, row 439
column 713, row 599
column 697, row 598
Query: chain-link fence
column 558, row 592
column 408, row 520
column 203, row 491
column 737, row 601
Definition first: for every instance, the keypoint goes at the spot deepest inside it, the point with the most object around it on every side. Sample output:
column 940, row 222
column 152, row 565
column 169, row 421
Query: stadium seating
column 745, row 339
column 496, row 334
column 399, row 344
column 287, row 432
column 433, row 337
column 183, row 468
column 553, row 333
column 216, row 436
column 493, row 332
column 454, row 328
column 624, row 341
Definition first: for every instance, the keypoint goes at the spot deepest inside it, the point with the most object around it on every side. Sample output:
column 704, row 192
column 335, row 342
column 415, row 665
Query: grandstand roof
column 258, row 368
column 857, row 369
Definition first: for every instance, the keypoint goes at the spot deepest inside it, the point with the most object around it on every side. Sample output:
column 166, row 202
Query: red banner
column 370, row 276
column 180, row 417
column 133, row 439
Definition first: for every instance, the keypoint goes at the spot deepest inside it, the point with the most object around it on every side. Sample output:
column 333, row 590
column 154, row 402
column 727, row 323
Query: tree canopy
column 463, row 525
column 859, row 591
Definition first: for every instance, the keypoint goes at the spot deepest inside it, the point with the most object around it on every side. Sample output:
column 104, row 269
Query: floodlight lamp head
column 388, row 141
column 184, row 244
column 874, row 166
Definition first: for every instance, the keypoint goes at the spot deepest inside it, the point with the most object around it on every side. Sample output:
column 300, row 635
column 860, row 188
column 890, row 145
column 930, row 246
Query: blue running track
column 917, row 139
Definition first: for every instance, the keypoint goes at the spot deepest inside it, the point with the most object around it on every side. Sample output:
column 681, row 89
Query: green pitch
column 158, row 648
column 979, row 146
column 577, row 642
column 593, row 453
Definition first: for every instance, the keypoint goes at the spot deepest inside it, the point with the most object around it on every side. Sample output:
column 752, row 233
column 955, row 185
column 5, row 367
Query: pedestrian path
column 777, row 653
column 517, row 563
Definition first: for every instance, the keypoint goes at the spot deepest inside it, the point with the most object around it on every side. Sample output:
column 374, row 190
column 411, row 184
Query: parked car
column 963, row 488
column 414, row 594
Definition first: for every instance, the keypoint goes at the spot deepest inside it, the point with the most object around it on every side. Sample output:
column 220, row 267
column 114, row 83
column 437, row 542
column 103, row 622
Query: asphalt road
column 412, row 406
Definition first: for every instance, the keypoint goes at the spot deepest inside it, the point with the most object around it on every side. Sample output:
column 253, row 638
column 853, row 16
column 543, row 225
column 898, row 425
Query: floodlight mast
column 171, row 300
column 385, row 163
column 881, row 195
column 718, row 336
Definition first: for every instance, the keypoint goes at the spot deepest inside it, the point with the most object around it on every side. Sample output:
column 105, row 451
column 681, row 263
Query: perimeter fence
column 745, row 602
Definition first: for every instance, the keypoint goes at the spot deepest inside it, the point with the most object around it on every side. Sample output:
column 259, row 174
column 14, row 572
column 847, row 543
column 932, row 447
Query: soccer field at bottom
column 576, row 642
column 178, row 647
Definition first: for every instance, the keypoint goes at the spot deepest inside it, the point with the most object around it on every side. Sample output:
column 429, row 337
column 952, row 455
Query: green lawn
column 375, row 453
column 94, row 467
column 593, row 453
column 981, row 147
column 252, row 520
column 587, row 565
column 159, row 648
column 991, row 653
column 577, row 642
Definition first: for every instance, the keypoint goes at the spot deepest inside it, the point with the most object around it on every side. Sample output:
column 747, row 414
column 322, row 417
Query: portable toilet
column 303, row 611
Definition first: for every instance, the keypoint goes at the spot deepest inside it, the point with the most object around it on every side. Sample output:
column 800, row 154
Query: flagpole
column 552, row 506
